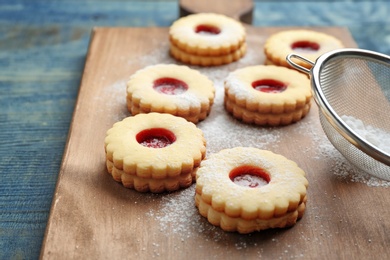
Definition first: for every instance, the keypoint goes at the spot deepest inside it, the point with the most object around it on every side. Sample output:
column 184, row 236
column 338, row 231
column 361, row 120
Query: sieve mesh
column 357, row 85
column 359, row 159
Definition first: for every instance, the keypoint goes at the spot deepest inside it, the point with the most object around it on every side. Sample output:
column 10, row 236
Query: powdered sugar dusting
column 114, row 98
column 248, row 180
column 224, row 131
column 373, row 135
column 177, row 214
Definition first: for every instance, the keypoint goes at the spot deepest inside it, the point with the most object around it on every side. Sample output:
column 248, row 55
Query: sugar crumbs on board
column 178, row 215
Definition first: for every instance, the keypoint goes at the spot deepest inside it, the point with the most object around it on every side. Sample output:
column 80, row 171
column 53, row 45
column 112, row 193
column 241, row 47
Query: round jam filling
column 170, row 86
column 305, row 46
column 249, row 176
column 269, row 86
column 155, row 137
column 207, row 29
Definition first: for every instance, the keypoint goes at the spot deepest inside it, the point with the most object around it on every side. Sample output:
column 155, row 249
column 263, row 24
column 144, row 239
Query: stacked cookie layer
column 154, row 152
column 173, row 89
column 267, row 95
column 207, row 39
column 309, row 44
column 248, row 207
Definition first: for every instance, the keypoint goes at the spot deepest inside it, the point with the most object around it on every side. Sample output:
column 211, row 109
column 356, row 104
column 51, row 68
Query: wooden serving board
column 94, row 217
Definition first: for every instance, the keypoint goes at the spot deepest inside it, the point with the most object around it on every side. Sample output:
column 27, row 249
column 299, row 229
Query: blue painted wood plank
column 42, row 53
column 366, row 20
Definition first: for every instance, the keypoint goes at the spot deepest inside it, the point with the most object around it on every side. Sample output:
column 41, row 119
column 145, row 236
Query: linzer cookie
column 310, row 44
column 172, row 89
column 246, row 189
column 267, row 95
column 207, row 39
column 154, row 152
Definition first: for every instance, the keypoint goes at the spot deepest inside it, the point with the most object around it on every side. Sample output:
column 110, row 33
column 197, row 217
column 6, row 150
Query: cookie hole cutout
column 155, row 138
column 305, row 46
column 207, row 29
column 249, row 176
column 170, row 86
column 269, row 86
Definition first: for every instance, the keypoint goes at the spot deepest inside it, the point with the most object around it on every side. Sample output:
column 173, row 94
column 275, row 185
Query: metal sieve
column 353, row 83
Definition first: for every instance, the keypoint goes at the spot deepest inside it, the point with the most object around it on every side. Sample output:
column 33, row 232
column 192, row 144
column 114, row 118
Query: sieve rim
column 330, row 114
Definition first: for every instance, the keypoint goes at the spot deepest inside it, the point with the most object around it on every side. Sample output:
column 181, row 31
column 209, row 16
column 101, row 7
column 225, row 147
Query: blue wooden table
column 43, row 45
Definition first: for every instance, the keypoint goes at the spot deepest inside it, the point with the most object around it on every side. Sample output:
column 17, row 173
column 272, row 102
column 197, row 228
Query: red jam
column 170, row 86
column 207, row 29
column 305, row 46
column 155, row 137
column 269, row 86
column 249, row 176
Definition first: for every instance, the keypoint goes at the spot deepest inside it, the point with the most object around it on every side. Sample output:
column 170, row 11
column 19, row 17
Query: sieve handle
column 296, row 65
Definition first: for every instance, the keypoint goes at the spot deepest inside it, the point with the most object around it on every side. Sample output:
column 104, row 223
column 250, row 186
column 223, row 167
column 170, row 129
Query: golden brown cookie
column 150, row 151
column 263, row 92
column 207, row 34
column 310, row 44
column 207, row 39
column 246, row 189
column 172, row 89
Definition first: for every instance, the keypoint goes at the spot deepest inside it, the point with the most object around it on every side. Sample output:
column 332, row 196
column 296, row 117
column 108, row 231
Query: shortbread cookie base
column 193, row 104
column 139, row 184
column 266, row 119
column 182, row 156
column 244, row 226
column 193, row 59
column 284, row 193
column 279, row 45
column 230, row 38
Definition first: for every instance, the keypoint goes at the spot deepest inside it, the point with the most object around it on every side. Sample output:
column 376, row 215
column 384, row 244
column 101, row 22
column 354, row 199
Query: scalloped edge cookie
column 183, row 155
column 194, row 104
column 279, row 45
column 284, row 195
column 239, row 89
column 231, row 35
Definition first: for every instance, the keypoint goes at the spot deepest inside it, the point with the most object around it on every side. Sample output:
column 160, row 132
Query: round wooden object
column 241, row 10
